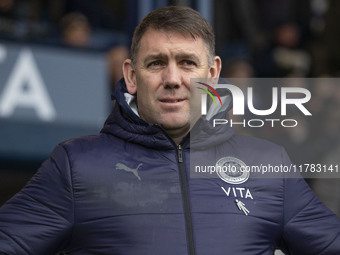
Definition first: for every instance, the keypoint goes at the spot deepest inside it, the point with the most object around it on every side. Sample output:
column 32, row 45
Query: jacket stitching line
column 72, row 190
column 12, row 238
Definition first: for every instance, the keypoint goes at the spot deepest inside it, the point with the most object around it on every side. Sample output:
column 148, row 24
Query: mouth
column 171, row 100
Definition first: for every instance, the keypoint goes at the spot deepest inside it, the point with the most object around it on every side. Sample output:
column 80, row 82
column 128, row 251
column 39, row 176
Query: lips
column 171, row 100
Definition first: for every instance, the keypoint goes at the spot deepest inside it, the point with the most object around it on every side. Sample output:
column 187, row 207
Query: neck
column 177, row 135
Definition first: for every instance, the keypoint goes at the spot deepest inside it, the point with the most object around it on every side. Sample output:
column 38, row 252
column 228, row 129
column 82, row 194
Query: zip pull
column 180, row 153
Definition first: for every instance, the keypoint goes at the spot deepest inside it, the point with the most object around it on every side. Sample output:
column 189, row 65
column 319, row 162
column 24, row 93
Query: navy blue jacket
column 129, row 191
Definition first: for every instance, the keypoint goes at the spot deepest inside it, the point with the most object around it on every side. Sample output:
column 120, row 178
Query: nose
column 172, row 76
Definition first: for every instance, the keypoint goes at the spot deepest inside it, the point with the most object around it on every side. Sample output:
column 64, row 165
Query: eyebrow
column 161, row 56
column 154, row 57
column 189, row 56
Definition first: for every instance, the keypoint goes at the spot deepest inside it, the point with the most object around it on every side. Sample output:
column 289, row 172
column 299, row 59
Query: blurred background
column 60, row 60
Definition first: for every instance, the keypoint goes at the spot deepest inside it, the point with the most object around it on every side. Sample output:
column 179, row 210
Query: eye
column 188, row 63
column 155, row 63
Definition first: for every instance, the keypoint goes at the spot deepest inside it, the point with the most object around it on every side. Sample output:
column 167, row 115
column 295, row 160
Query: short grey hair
column 180, row 19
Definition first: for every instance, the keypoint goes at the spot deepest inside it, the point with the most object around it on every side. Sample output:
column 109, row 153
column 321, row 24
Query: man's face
column 161, row 77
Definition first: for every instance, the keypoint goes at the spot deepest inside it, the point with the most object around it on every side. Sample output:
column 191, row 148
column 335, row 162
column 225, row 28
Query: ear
column 215, row 68
column 129, row 76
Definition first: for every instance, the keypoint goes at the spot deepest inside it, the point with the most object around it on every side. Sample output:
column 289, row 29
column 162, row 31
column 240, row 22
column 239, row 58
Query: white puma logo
column 121, row 166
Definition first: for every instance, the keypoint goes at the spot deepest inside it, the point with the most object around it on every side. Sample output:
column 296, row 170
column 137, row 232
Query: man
column 128, row 191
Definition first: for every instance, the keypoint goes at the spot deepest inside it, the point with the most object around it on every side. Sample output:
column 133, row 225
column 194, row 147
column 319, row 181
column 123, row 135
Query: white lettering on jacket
column 237, row 192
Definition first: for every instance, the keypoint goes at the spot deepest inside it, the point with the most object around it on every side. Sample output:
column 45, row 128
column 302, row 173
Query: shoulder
column 255, row 141
column 259, row 148
column 87, row 146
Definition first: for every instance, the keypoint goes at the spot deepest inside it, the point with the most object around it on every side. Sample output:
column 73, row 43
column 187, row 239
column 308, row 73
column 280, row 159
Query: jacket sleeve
column 309, row 226
column 38, row 219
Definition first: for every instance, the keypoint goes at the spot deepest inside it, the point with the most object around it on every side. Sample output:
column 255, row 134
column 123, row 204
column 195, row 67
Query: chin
column 175, row 124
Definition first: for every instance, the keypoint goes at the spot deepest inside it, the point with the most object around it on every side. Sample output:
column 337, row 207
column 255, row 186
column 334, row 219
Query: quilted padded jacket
column 131, row 191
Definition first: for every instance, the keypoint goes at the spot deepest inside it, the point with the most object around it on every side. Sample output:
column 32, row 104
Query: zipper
column 180, row 153
column 186, row 201
column 185, row 194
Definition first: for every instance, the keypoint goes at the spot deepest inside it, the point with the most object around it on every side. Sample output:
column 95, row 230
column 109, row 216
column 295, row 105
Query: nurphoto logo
column 282, row 98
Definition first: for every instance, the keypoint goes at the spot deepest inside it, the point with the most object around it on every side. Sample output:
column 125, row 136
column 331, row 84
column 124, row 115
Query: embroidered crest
column 232, row 170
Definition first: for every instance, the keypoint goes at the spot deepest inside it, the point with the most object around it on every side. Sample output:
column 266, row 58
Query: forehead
column 170, row 42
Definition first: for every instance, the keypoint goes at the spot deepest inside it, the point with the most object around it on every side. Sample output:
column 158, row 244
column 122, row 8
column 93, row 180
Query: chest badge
column 232, row 170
